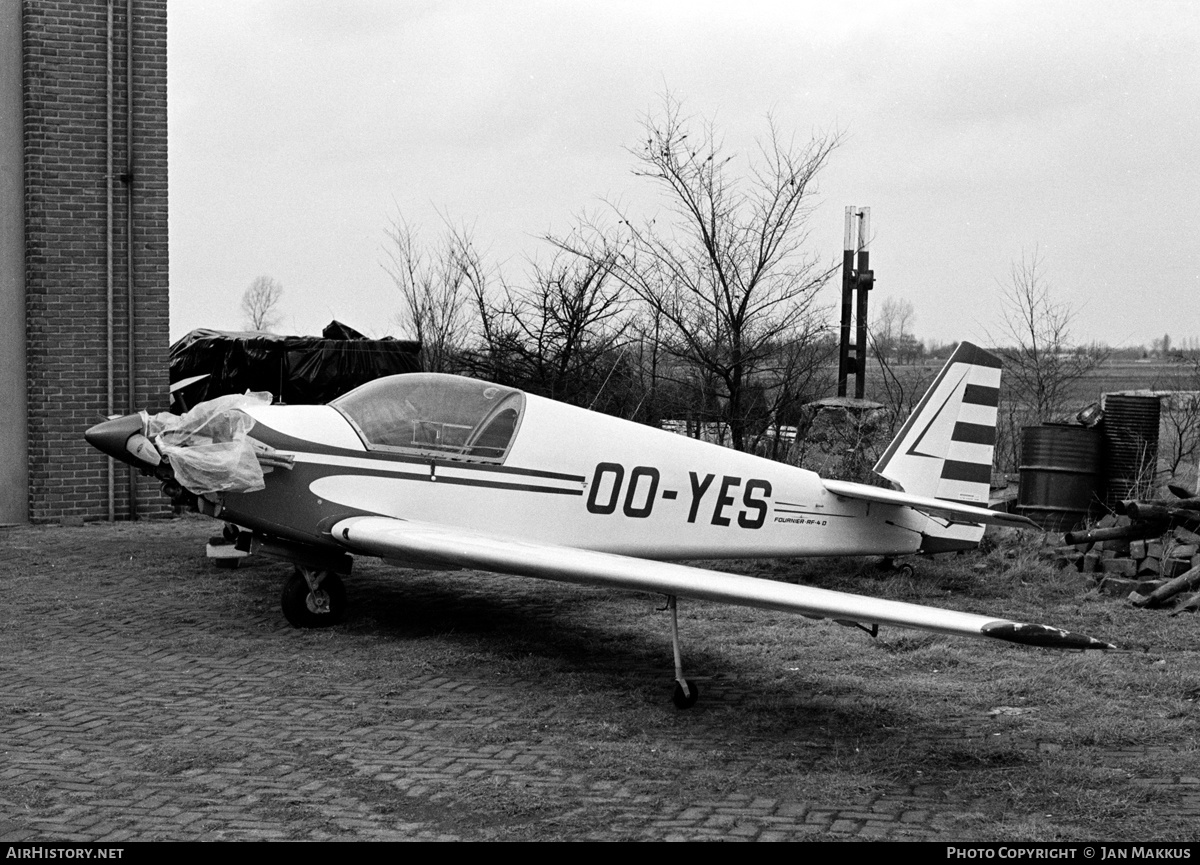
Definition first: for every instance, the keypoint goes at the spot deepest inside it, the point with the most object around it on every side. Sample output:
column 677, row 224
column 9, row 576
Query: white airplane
column 446, row 472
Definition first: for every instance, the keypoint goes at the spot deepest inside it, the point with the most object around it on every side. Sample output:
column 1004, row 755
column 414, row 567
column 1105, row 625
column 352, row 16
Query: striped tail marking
column 945, row 448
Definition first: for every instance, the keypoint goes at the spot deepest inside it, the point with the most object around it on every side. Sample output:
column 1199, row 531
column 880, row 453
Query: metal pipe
column 860, row 339
column 129, row 285
column 847, row 302
column 15, row 19
column 108, row 256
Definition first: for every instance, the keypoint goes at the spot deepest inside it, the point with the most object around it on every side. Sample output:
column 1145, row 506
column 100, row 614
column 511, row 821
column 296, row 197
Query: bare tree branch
column 723, row 269
column 556, row 333
column 1041, row 363
column 437, row 286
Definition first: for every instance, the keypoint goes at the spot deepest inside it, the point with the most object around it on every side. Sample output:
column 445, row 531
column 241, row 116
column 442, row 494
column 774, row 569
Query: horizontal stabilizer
column 955, row 511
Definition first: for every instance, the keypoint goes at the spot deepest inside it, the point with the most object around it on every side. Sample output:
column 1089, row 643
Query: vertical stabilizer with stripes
column 945, row 448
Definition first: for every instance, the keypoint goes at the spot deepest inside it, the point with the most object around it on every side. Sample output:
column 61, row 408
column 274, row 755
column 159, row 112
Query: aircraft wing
column 428, row 542
column 957, row 511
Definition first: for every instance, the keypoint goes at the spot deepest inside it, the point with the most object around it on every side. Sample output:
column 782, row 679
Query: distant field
column 1125, row 375
column 1114, row 376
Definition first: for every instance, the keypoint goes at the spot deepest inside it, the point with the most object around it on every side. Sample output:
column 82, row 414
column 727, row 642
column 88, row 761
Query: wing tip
column 1043, row 635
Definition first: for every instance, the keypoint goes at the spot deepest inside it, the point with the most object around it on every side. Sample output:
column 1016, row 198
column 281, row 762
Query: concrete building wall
column 71, row 92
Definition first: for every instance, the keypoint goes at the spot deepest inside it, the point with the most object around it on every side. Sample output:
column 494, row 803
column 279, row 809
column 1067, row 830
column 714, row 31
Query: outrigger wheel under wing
column 458, row 548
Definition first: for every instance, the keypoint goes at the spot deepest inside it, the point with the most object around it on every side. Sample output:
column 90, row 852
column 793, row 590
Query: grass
column 1014, row 742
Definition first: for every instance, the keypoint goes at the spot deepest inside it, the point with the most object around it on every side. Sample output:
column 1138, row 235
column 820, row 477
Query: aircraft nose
column 111, row 436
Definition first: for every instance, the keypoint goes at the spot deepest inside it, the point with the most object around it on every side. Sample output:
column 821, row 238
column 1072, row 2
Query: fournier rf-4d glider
column 444, row 472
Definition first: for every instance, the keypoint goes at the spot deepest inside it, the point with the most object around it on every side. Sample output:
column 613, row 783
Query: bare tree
column 260, row 303
column 1179, row 444
column 804, row 368
column 893, row 323
column 723, row 266
column 898, row 392
column 558, row 334
column 437, row 285
column 1179, row 433
column 1041, row 363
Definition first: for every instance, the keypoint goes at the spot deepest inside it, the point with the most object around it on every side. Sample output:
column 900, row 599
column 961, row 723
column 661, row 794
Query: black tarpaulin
column 300, row 370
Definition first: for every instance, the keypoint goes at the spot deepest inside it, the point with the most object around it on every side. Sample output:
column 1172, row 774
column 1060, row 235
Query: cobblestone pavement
column 146, row 695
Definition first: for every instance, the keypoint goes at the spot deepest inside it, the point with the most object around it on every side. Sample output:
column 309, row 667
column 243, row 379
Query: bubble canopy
column 436, row 414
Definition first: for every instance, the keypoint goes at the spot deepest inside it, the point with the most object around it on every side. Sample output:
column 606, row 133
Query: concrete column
column 14, row 433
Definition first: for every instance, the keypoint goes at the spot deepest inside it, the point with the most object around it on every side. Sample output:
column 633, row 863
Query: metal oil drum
column 1131, row 445
column 1060, row 474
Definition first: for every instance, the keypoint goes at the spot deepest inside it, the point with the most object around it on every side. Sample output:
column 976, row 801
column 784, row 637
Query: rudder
column 945, row 448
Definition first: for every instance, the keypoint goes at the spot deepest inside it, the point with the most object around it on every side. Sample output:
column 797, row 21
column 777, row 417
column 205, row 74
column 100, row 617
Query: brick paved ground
column 146, row 695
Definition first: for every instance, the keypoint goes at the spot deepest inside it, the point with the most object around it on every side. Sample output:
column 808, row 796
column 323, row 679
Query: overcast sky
column 977, row 133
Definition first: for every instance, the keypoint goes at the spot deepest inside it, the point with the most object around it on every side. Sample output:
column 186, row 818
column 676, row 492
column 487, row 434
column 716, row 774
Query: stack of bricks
column 1133, row 567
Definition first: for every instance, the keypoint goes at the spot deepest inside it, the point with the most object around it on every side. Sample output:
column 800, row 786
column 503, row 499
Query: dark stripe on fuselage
column 500, row 485
column 974, row 433
column 795, row 509
column 284, row 442
column 330, row 470
column 977, row 473
column 978, row 394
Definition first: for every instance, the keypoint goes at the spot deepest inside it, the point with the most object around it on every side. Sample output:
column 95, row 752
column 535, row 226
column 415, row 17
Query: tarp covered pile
column 302, row 370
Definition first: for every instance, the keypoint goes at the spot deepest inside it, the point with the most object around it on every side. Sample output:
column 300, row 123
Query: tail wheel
column 313, row 599
column 685, row 700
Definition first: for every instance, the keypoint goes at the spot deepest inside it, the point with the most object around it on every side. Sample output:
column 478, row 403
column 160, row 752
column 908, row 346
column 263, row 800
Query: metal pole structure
column 131, row 359
column 847, row 300
column 863, row 284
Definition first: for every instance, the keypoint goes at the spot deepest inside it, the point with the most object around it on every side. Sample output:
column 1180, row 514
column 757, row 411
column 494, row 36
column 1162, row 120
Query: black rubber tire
column 298, row 611
column 685, row 702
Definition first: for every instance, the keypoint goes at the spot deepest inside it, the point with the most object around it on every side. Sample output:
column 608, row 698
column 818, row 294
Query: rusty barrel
column 1131, row 446
column 1060, row 474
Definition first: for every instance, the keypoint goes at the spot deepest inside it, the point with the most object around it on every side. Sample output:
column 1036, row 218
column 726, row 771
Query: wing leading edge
column 427, row 542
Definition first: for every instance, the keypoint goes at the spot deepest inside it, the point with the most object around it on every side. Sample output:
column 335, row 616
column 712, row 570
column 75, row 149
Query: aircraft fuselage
column 570, row 477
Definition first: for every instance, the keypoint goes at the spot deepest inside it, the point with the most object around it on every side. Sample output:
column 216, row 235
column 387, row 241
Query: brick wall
column 65, row 62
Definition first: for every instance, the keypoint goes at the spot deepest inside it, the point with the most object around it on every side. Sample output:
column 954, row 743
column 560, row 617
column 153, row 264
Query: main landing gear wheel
column 890, row 566
column 313, row 599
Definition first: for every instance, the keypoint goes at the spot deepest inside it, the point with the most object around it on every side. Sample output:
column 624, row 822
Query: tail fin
column 945, row 448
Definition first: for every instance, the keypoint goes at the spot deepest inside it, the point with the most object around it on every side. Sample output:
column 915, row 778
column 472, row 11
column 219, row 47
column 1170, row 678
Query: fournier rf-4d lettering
column 440, row 471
